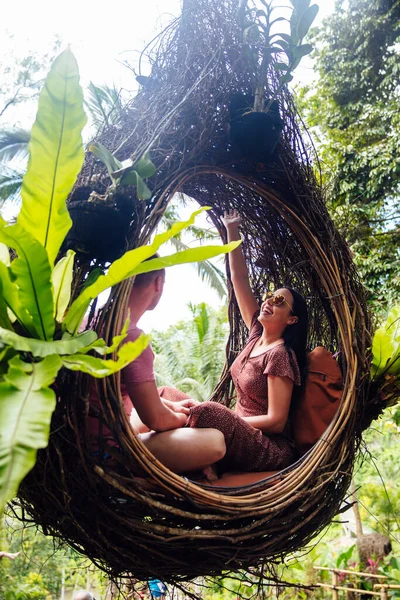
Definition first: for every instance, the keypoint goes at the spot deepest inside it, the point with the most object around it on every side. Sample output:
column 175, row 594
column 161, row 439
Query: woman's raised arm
column 239, row 273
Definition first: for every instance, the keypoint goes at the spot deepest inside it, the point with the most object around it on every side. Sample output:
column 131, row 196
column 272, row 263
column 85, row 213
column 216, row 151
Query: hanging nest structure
column 132, row 515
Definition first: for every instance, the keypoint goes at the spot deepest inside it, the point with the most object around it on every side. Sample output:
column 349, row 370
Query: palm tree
column 206, row 270
column 14, row 144
column 13, row 157
column 191, row 354
column 104, row 105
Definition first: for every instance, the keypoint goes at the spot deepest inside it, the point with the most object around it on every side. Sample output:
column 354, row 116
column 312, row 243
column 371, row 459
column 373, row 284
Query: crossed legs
column 186, row 449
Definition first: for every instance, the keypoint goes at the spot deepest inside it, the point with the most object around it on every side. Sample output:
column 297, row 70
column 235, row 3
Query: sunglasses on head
column 276, row 299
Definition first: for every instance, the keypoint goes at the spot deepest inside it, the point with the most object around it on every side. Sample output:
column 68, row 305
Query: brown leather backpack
column 319, row 400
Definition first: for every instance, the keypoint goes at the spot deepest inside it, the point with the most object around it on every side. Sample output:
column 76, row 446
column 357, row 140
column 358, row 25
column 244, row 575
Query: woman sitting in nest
column 257, row 434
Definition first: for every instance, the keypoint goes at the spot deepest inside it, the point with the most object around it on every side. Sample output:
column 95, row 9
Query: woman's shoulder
column 281, row 361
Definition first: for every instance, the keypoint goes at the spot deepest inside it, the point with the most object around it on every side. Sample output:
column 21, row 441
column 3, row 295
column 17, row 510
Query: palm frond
column 14, row 144
column 213, row 276
column 104, row 105
column 10, row 185
column 208, row 272
column 201, row 319
column 193, row 388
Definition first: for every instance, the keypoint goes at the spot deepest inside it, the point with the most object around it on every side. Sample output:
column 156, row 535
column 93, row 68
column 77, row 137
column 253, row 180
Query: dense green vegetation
column 42, row 568
column 352, row 110
column 190, row 355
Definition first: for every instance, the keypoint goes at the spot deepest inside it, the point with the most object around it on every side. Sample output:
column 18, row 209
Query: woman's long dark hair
column 295, row 336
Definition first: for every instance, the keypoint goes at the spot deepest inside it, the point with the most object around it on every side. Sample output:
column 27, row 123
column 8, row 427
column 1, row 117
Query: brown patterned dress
column 249, row 449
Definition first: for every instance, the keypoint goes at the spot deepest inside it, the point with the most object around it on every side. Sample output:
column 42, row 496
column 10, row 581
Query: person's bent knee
column 221, row 445
column 217, row 444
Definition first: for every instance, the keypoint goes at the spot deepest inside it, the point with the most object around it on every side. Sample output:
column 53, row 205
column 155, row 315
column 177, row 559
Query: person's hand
column 181, row 419
column 183, row 406
column 189, row 403
column 231, row 219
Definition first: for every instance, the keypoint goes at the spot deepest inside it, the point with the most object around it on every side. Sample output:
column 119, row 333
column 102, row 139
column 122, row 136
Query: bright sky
column 103, row 35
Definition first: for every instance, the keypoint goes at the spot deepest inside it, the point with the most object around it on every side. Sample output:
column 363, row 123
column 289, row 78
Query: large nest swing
column 137, row 517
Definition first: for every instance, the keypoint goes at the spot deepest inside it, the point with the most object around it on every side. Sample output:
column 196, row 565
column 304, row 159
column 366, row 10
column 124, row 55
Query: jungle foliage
column 190, row 355
column 352, row 109
column 42, row 566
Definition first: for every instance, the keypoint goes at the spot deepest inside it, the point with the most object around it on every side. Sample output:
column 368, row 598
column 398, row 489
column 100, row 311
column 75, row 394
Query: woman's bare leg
column 186, row 449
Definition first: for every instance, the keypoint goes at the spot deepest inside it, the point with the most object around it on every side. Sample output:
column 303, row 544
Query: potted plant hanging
column 255, row 121
column 100, row 223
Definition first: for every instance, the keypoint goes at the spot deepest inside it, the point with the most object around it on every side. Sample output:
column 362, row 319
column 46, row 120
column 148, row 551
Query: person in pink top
column 159, row 422
column 258, row 433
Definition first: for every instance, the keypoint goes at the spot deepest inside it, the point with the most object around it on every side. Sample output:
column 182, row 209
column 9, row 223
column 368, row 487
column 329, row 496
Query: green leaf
column 62, row 281
column 286, row 78
column 120, row 270
column 286, row 37
column 124, row 168
column 104, row 105
column 12, row 301
column 100, row 346
column 32, row 273
column 386, row 346
column 300, row 5
column 80, row 313
column 300, row 51
column 41, row 348
column 128, row 177
column 56, row 156
column 186, row 256
column 4, row 317
column 277, row 21
column 112, row 163
column 294, row 19
column 306, row 20
column 98, row 367
column 142, row 191
column 279, row 66
column 26, row 406
column 131, row 177
column 144, row 167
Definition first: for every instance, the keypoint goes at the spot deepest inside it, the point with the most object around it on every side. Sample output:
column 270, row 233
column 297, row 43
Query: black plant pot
column 98, row 231
column 254, row 135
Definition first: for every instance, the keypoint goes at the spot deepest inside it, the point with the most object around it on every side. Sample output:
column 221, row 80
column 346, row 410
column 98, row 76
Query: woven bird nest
column 176, row 529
